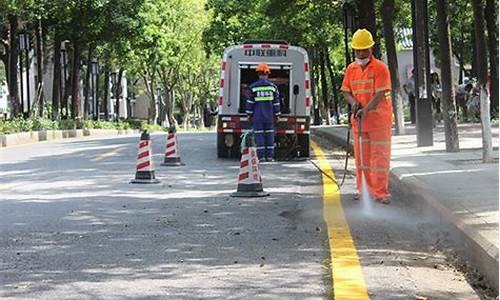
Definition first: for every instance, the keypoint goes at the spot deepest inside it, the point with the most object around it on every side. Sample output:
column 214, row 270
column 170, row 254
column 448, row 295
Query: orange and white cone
column 249, row 178
column 145, row 171
column 172, row 154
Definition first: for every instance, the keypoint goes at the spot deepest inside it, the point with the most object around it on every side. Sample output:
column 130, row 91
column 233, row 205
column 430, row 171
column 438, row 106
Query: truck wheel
column 222, row 151
column 235, row 149
column 304, row 145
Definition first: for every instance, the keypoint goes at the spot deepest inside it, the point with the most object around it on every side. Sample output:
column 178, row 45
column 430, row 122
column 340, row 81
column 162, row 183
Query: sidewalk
column 461, row 190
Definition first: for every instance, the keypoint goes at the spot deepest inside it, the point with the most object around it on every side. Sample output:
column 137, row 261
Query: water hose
column 347, row 143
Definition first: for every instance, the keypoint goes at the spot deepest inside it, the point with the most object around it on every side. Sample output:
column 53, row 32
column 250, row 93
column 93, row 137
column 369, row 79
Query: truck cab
column 289, row 71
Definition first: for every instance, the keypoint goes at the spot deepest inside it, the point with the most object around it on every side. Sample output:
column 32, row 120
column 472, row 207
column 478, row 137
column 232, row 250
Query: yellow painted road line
column 115, row 151
column 348, row 281
column 107, row 154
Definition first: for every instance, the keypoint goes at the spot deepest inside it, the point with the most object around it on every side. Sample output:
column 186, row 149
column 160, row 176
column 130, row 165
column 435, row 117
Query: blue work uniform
column 263, row 105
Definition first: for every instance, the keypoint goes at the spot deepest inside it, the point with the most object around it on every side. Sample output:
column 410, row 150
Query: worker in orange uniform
column 367, row 88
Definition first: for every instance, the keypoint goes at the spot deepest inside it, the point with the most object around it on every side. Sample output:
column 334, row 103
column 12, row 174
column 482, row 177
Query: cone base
column 144, row 181
column 172, row 161
column 250, row 194
column 294, row 159
column 172, row 164
column 145, row 177
column 250, row 190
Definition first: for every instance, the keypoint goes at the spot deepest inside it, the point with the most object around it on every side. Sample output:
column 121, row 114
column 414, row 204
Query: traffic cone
column 249, row 179
column 145, row 171
column 172, row 154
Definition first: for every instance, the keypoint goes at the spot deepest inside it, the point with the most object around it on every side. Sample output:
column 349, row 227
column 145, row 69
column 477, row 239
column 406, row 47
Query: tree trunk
column 169, row 108
column 150, row 83
column 317, row 117
column 4, row 57
column 461, row 58
column 13, row 53
column 129, row 108
column 186, row 109
column 86, row 88
column 56, row 82
column 491, row 14
column 324, row 88
column 367, row 19
column 162, row 108
column 95, row 86
column 482, row 76
column 118, row 90
column 168, row 87
column 105, row 98
column 67, row 81
column 39, row 62
column 448, row 94
column 313, row 80
column 387, row 12
column 473, row 70
column 4, row 54
column 153, row 116
column 331, row 67
column 75, row 81
column 128, row 104
column 461, row 67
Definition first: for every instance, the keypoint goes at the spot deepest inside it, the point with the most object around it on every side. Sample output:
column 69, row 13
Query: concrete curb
column 20, row 138
column 482, row 253
column 336, row 139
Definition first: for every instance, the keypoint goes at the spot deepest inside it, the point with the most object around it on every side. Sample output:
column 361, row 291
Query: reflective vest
column 263, row 103
column 363, row 84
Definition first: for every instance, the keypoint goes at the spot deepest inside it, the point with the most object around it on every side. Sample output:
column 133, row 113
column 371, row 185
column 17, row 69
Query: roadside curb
column 337, row 139
column 482, row 253
column 20, row 138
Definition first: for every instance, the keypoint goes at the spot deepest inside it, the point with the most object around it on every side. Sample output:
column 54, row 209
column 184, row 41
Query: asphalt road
column 73, row 227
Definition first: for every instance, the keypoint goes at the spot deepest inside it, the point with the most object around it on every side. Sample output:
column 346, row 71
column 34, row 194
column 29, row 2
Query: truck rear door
column 281, row 74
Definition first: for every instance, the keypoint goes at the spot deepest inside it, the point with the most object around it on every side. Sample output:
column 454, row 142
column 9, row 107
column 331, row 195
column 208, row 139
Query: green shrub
column 88, row 124
column 6, row 127
column 135, row 124
column 109, row 125
column 153, row 127
column 20, row 125
column 123, row 125
column 67, row 124
column 26, row 125
column 44, row 124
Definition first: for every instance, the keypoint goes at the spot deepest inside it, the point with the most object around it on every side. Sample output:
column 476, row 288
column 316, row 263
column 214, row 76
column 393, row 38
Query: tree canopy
column 177, row 44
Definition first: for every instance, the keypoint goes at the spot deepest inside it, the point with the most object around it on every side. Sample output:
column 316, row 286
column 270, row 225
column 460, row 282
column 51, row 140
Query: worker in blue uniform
column 263, row 109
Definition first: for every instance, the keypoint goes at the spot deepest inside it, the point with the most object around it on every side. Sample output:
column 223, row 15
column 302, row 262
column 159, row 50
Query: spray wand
column 360, row 144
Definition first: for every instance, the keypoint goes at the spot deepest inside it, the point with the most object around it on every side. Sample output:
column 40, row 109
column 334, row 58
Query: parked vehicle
column 289, row 71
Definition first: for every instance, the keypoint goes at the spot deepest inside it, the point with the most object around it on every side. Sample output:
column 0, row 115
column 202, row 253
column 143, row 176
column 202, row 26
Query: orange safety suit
column 376, row 124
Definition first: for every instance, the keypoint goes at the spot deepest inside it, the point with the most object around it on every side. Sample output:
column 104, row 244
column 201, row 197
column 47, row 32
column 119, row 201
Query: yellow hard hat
column 362, row 39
